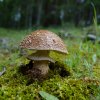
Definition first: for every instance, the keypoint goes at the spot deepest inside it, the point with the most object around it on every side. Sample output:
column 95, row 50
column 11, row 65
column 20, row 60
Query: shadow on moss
column 34, row 74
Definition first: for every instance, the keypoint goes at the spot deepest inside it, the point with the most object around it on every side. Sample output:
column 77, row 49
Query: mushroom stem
column 41, row 61
column 42, row 66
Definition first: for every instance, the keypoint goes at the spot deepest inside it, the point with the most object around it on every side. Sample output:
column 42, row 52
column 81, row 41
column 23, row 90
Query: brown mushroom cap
column 43, row 40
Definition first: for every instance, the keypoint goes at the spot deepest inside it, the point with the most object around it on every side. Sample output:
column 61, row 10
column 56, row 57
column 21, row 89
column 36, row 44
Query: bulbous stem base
column 42, row 66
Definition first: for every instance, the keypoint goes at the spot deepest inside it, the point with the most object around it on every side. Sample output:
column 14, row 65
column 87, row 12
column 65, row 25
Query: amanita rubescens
column 41, row 43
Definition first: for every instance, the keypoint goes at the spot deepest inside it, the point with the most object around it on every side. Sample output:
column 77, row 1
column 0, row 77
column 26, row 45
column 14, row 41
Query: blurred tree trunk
column 39, row 12
column 47, row 12
column 28, row 18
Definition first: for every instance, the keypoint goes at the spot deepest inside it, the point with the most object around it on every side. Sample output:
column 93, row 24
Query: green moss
column 13, row 85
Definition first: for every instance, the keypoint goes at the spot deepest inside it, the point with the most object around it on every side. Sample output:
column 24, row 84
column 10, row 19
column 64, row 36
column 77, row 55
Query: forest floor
column 79, row 81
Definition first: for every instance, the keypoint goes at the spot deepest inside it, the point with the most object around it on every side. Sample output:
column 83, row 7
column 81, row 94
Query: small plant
column 47, row 96
column 95, row 24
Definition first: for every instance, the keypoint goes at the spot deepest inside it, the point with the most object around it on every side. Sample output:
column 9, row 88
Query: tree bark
column 39, row 12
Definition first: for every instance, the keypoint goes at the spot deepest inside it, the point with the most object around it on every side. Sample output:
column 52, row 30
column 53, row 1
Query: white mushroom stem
column 42, row 66
column 41, row 61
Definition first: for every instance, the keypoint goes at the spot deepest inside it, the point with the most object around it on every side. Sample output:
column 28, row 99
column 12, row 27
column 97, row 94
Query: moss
column 14, row 85
column 64, row 88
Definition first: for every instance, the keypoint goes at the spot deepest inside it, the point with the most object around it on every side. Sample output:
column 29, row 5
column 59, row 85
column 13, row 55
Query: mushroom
column 37, row 47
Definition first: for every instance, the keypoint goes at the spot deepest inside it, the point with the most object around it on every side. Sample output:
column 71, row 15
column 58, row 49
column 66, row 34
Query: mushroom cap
column 43, row 40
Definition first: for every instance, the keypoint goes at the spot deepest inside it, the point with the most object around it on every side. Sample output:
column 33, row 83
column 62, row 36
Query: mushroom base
column 42, row 66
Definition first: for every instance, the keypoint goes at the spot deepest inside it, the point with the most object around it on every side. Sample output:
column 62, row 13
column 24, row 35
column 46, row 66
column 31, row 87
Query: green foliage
column 47, row 96
column 95, row 18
